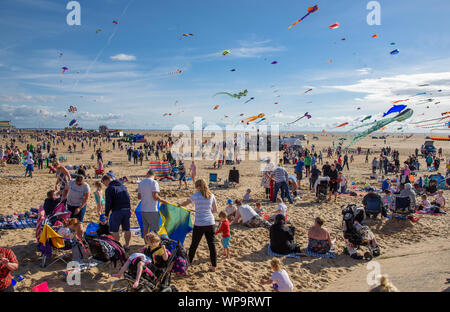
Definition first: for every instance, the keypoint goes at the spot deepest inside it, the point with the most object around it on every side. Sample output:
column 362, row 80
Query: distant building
column 6, row 125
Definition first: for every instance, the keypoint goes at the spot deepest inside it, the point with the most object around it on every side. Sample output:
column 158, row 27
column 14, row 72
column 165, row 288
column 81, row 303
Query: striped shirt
column 203, row 209
column 280, row 174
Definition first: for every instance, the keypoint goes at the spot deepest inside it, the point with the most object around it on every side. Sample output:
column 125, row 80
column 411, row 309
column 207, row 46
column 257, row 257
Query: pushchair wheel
column 122, row 285
column 367, row 256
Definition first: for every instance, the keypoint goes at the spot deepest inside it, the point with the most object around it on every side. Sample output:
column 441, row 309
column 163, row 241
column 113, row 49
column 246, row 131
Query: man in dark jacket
column 117, row 202
column 282, row 237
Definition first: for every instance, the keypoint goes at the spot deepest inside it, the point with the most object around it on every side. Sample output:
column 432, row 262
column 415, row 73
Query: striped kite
column 310, row 10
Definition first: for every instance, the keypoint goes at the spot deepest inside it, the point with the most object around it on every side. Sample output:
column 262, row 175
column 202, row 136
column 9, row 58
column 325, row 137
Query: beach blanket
column 19, row 224
column 318, row 255
column 430, row 212
column 273, row 254
column 160, row 168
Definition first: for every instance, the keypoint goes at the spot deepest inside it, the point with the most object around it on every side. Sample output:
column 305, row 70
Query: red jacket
column 224, row 228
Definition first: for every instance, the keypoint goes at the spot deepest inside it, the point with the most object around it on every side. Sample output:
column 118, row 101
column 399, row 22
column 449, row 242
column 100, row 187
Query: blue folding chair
column 213, row 179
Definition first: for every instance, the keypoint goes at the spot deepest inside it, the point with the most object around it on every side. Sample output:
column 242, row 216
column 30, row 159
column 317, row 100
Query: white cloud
column 123, row 57
column 364, row 71
column 19, row 98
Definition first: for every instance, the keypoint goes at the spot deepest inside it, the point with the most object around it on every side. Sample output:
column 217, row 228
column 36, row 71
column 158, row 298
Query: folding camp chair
column 213, row 179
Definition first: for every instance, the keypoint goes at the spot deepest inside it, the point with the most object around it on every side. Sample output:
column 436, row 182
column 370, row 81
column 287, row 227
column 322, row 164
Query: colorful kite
column 446, row 113
column 72, row 109
column 305, row 115
column 375, row 36
column 98, row 30
column 395, row 52
column 176, row 72
column 252, row 98
column 341, row 125
column 64, row 70
column 115, row 22
column 274, row 62
column 395, row 109
column 309, row 90
column 236, row 95
column 404, row 115
column 399, row 101
column 259, row 121
column 253, row 118
column 216, row 107
column 72, row 122
column 366, row 118
column 233, row 70
column 334, row 26
column 226, row 52
column 421, row 93
column 310, row 10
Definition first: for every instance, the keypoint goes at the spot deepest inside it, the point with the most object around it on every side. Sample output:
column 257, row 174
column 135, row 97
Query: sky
column 122, row 76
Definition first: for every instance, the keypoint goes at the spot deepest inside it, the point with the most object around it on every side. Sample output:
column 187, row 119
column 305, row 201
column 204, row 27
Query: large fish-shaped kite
column 310, row 10
column 236, row 95
column 253, row 118
column 366, row 118
column 395, row 109
column 341, row 125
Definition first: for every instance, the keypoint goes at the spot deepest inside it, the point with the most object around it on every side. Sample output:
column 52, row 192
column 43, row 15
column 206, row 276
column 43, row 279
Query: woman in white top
column 204, row 224
column 248, row 216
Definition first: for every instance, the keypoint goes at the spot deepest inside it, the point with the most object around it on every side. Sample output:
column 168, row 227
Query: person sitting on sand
column 281, row 209
column 230, row 209
column 103, row 226
column 247, row 197
column 8, row 264
column 409, row 192
column 280, row 279
column 248, row 216
column 282, row 239
column 439, row 200
column 259, row 209
column 319, row 240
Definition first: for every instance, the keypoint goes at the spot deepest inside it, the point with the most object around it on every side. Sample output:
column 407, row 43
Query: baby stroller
column 159, row 279
column 356, row 234
column 322, row 186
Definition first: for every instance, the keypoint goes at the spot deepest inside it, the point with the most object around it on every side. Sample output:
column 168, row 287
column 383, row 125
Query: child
column 387, row 199
column 281, row 209
column 68, row 231
column 103, row 227
column 280, row 278
column 51, row 202
column 247, row 195
column 439, row 200
column 155, row 256
column 182, row 172
column 230, row 210
column 99, row 197
column 425, row 203
column 225, row 230
column 259, row 210
column 342, row 183
column 29, row 169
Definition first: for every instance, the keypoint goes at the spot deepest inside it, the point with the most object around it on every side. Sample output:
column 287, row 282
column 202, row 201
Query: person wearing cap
column 230, row 209
column 148, row 193
column 247, row 195
column 8, row 264
column 103, row 227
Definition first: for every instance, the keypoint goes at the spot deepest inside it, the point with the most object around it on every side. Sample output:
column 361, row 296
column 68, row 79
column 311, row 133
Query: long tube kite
column 236, row 95
column 341, row 125
column 404, row 115
column 310, row 10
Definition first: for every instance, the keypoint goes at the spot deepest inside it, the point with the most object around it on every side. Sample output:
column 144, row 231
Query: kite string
column 107, row 44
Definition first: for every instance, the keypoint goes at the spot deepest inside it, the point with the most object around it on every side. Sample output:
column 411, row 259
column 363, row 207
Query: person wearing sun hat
column 230, row 209
column 103, row 227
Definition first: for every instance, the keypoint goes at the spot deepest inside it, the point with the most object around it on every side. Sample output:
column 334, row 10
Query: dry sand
column 249, row 263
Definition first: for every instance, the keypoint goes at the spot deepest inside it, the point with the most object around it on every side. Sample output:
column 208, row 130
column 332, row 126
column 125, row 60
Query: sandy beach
column 249, row 262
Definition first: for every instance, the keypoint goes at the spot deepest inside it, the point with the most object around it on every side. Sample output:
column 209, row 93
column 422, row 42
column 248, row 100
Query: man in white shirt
column 148, row 193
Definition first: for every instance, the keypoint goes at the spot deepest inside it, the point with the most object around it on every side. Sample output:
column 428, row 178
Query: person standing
column 117, row 202
column 193, row 171
column 299, row 170
column 77, row 193
column 8, row 264
column 148, row 193
column 307, row 164
column 281, row 176
column 345, row 162
column 204, row 224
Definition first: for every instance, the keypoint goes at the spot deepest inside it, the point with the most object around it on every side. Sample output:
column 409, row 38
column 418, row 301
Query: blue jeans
column 284, row 191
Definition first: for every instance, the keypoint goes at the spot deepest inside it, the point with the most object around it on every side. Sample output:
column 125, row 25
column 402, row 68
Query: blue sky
column 119, row 77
